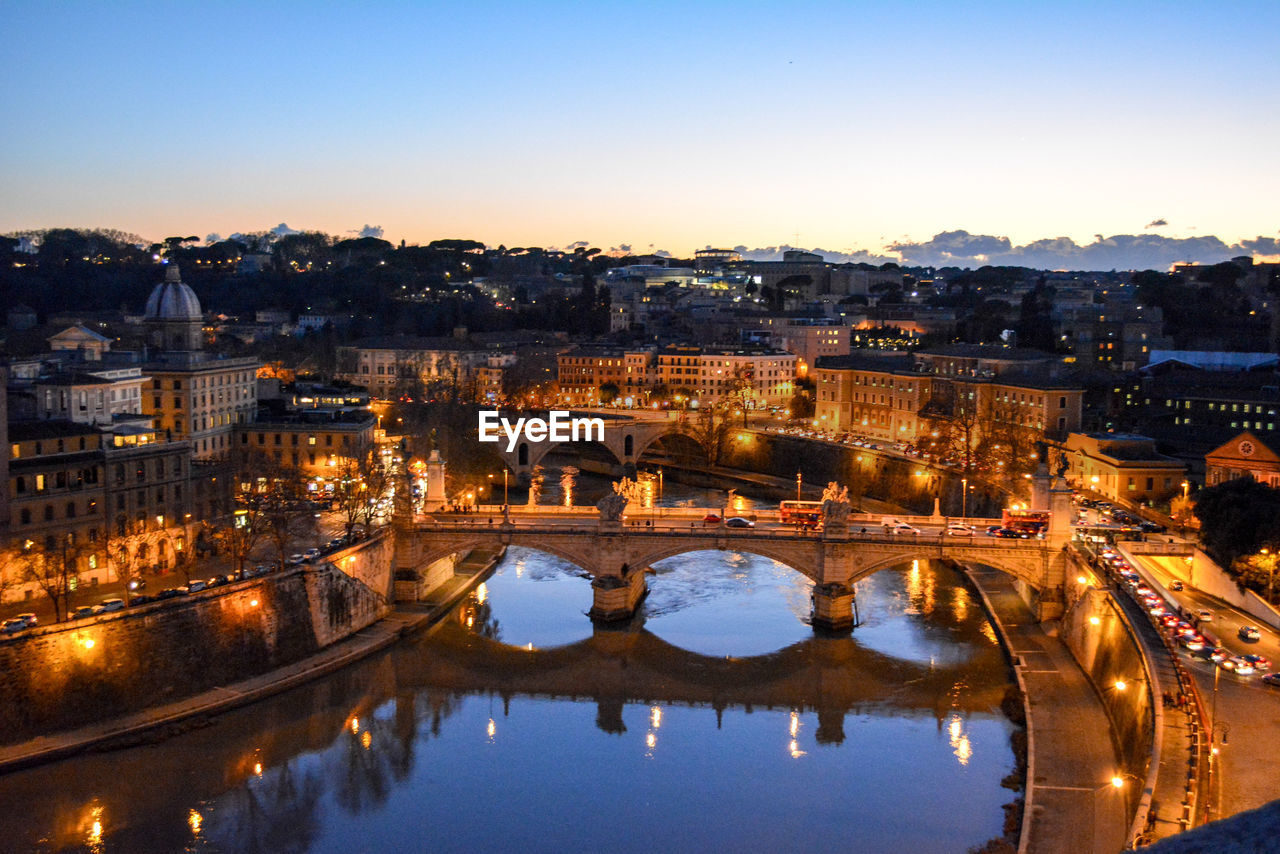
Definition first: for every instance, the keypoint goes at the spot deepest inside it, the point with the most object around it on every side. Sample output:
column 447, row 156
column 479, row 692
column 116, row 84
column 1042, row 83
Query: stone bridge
column 625, row 439
column 617, row 554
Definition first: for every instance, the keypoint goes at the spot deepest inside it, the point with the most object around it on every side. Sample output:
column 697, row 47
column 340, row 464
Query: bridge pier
column 616, row 597
column 832, row 608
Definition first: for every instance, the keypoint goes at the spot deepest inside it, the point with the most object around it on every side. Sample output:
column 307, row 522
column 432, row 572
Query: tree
column 710, row 430
column 274, row 499
column 127, row 549
column 363, row 481
column 609, row 393
column 53, row 566
column 1238, row 518
column 740, row 389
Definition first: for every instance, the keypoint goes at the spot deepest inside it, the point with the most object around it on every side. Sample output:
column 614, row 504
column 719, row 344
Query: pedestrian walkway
column 123, row 730
column 1071, row 804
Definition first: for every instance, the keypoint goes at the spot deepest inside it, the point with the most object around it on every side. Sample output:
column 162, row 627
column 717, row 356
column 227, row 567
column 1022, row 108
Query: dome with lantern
column 172, row 300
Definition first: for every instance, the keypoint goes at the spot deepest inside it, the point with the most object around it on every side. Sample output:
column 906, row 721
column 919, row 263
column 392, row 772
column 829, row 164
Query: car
column 1151, row 528
column 738, row 522
column 1259, row 662
column 86, row 611
column 1175, row 586
column 140, row 599
column 171, row 593
column 1218, row 654
column 902, row 528
column 1011, row 534
column 1204, row 616
column 1241, row 666
column 994, row 529
column 12, row 627
column 310, row 555
column 109, row 605
column 959, row 529
column 1191, row 642
column 712, row 519
column 1272, row 679
column 29, row 619
column 337, row 542
column 218, row 580
column 1249, row 633
column 296, row 559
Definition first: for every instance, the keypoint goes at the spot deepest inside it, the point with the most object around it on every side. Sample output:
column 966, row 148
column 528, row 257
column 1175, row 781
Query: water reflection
column 773, row 739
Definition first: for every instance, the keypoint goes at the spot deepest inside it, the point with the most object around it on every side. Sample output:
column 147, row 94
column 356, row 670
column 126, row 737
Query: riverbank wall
column 71, row 674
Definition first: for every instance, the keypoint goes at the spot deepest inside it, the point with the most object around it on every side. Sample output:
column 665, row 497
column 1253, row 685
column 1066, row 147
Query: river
column 718, row 721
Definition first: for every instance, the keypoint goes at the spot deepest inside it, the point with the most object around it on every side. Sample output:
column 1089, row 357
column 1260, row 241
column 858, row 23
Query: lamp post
column 964, row 497
column 799, row 480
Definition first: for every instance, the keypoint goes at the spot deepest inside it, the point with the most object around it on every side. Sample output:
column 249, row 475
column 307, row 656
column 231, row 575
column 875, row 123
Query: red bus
column 1026, row 521
column 804, row 513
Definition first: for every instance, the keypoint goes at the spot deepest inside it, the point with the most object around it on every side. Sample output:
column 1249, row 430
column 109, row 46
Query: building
column 809, row 338
column 760, row 377
column 405, row 366
column 1121, row 466
column 73, row 487
column 1245, row 455
column 193, row 396
column 319, row 443
column 582, row 371
column 987, row 392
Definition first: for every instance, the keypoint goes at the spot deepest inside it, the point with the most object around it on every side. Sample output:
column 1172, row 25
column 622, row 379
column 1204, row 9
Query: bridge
column 625, row 440
column 617, row 553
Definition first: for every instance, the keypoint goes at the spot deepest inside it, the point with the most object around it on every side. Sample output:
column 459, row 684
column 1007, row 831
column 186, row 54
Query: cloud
column 283, row 229
column 1161, row 222
column 1117, row 252
column 369, row 231
column 213, row 238
column 833, row 256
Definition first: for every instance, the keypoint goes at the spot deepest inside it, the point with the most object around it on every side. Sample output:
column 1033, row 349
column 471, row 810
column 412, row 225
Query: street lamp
column 964, row 497
column 799, row 480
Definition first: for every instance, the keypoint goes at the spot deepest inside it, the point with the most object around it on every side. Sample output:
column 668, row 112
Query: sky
column 865, row 129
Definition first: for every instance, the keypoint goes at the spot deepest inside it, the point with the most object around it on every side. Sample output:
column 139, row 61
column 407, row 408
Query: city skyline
column 863, row 129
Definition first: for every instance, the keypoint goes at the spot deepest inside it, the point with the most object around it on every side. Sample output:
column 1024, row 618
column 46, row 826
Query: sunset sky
column 672, row 125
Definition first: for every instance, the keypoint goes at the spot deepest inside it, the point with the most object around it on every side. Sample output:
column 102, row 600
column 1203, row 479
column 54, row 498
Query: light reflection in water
column 194, row 821
column 959, row 740
column 568, row 480
column 491, row 730
column 482, row 593
column 93, row 836
column 655, row 717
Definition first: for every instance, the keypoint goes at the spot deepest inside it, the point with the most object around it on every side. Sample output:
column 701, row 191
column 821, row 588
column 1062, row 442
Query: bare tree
column 710, row 430
column 53, row 566
column 364, row 480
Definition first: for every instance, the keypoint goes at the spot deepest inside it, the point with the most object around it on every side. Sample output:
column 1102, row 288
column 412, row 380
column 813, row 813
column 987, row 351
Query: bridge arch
column 787, row 559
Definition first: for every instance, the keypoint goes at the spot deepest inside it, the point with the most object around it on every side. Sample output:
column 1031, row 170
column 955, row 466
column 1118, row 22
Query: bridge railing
column 755, row 514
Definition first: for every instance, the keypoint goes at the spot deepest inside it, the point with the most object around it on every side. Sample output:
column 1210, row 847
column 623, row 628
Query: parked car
column 141, row 599
column 86, row 611
column 310, row 555
column 171, row 592
column 295, row 559
column 12, row 627
column 109, row 605
column 29, row 619
column 1249, row 633
column 739, row 522
column 218, row 579
column 196, row 586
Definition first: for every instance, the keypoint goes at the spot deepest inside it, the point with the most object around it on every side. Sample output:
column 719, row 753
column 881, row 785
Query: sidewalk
column 123, row 731
column 1073, row 808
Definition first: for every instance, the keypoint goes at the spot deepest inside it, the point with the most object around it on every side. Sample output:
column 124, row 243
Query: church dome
column 172, row 300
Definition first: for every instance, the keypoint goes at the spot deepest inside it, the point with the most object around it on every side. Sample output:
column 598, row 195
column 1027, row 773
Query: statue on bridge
column 835, row 506
column 613, row 505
